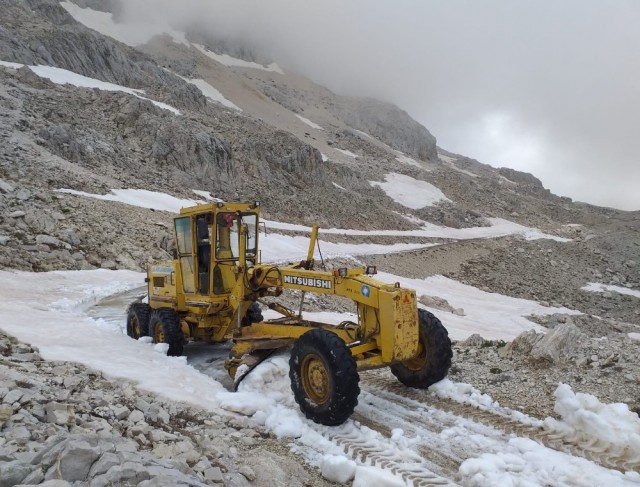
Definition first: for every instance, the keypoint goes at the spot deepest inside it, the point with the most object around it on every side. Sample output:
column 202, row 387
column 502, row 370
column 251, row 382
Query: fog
column 546, row 87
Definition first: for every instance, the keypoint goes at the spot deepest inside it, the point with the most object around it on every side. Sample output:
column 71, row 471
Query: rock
column 5, row 187
column 108, row 264
column 121, row 412
column 474, row 340
column 48, row 240
column 74, row 461
column 136, row 416
column 16, row 214
column 4, row 239
column 61, row 414
column 521, row 345
column 13, row 473
column 560, row 344
column 156, row 414
column 213, row 474
column 247, row 472
column 6, row 411
column 13, row 396
column 40, row 221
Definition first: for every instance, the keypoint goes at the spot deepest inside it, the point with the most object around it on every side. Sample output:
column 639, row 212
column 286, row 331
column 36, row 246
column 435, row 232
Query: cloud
column 547, row 87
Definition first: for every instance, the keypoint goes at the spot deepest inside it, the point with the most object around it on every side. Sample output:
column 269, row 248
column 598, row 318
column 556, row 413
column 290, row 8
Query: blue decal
column 366, row 292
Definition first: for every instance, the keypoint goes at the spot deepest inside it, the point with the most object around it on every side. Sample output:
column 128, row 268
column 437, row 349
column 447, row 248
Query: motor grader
column 214, row 288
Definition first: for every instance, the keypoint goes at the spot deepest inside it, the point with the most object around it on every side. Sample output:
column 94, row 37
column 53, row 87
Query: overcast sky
column 545, row 86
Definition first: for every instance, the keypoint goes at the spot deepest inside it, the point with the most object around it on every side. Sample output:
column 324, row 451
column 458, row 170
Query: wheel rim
column 315, row 379
column 158, row 334
column 419, row 361
column 135, row 327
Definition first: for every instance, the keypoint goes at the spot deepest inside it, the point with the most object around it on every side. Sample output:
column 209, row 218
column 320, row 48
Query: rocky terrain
column 64, row 424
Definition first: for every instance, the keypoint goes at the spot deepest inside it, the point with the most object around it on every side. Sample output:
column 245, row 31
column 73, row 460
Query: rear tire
column 324, row 377
column 164, row 326
column 138, row 320
column 434, row 356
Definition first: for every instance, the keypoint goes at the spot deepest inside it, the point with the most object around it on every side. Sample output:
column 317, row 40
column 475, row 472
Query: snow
column 491, row 315
column 130, row 34
column 337, row 468
column 285, row 248
column 206, row 195
column 498, row 228
column 527, row 463
column 235, row 62
column 338, row 186
column 309, row 122
column 7, row 64
column 324, row 157
column 408, row 160
column 62, row 76
column 584, row 417
column 376, row 477
column 410, row 192
column 597, row 287
column 347, row 153
column 139, row 197
column 212, row 93
column 55, row 320
column 634, row 336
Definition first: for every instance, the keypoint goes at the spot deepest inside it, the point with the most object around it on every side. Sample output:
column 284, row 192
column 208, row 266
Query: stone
column 121, row 412
column 247, row 472
column 48, row 240
column 5, row 187
column 13, row 396
column 128, row 472
column 213, row 474
column 61, row 414
column 136, row 416
column 560, row 344
column 474, row 340
column 40, row 221
column 17, row 214
column 104, row 463
column 6, row 411
column 74, row 461
column 13, row 473
column 156, row 414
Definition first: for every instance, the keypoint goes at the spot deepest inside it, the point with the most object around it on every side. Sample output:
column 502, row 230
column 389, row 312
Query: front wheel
column 138, row 320
column 164, row 327
column 433, row 360
column 324, row 377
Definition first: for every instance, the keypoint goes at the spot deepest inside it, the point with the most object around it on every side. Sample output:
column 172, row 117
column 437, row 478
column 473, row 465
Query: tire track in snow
column 594, row 450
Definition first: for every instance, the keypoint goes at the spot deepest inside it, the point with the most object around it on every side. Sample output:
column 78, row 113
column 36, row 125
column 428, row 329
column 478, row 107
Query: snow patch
column 212, row 93
column 338, row 186
column 230, row 61
column 596, row 287
column 493, row 316
column 410, row 192
column 407, row 160
column 348, row 153
column 62, row 77
column 139, row 197
column 133, row 34
column 309, row 122
column 206, row 195
column 324, row 158
column 634, row 336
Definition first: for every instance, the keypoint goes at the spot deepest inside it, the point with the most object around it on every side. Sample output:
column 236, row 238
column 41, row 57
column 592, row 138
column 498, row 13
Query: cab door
column 184, row 244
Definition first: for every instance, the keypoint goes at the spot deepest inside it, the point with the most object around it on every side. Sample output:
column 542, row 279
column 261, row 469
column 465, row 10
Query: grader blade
column 249, row 362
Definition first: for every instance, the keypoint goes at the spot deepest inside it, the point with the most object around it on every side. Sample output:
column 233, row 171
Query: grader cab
column 214, row 289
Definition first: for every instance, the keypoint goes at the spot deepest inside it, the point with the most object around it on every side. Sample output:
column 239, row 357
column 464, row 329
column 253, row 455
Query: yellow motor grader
column 214, row 289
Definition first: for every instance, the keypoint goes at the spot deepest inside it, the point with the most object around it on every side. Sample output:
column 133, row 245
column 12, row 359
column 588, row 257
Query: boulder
column 560, row 344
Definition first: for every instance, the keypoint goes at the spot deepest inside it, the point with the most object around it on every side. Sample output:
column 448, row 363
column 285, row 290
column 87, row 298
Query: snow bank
column 597, row 287
column 410, row 192
column 212, row 93
column 584, row 417
column 54, row 320
column 527, row 463
column 235, row 62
